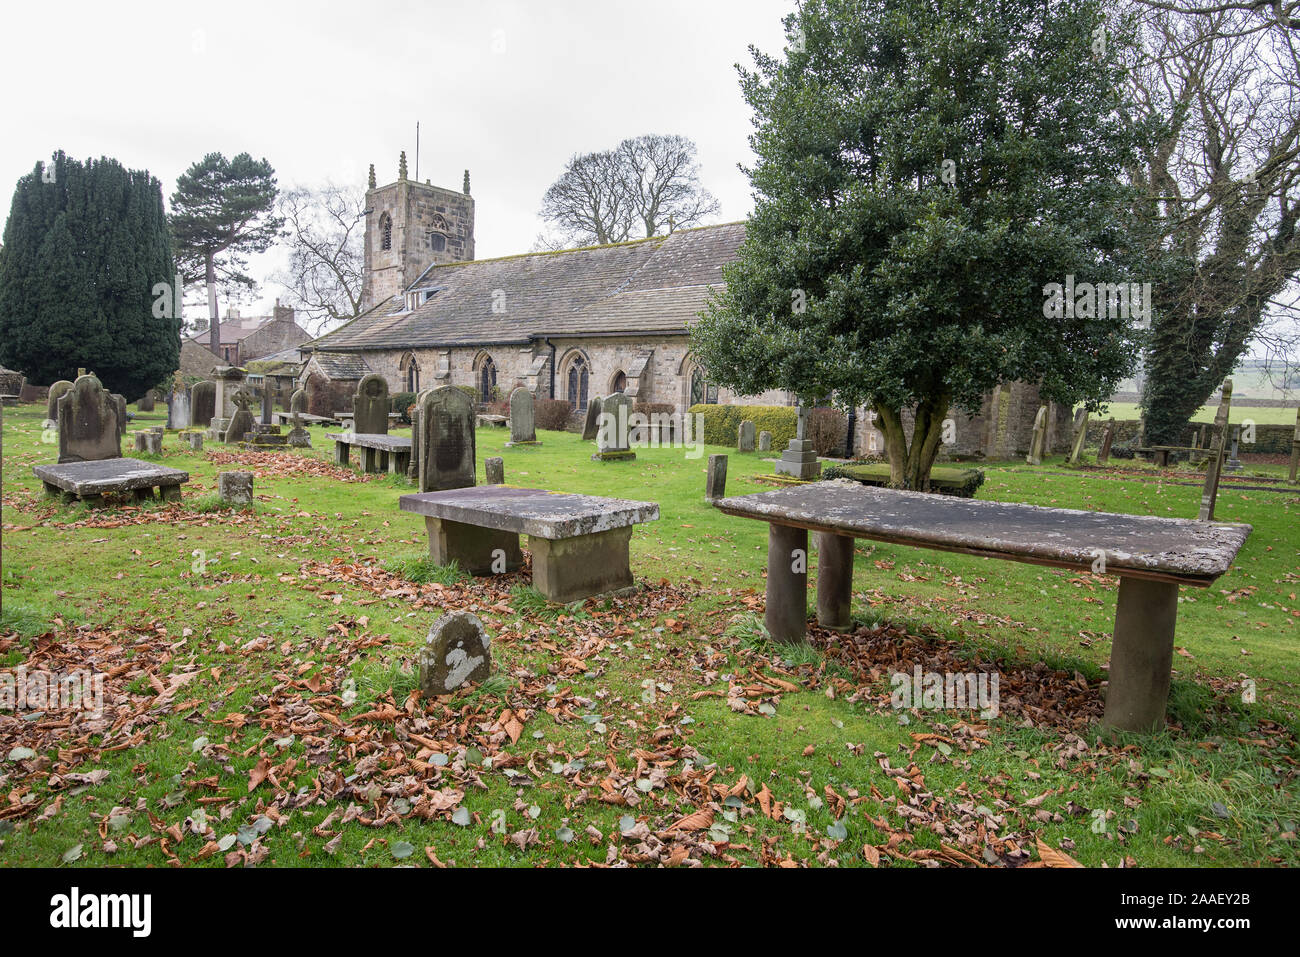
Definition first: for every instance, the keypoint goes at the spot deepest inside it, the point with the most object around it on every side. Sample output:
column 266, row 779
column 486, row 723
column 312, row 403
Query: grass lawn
column 1260, row 415
column 260, row 703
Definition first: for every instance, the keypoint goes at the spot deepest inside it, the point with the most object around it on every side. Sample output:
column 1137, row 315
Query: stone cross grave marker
column 268, row 399
column 89, row 423
column 447, row 440
column 457, row 652
column 800, row 458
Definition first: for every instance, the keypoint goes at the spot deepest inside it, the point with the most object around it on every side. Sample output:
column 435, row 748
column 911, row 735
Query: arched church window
column 385, row 231
column 700, row 389
column 620, row 382
column 487, row 379
column 579, row 377
column 412, row 370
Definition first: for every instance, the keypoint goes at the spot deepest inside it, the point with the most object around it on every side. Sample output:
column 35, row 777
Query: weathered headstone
column 447, row 450
column 268, row 399
column 765, row 441
column 142, row 441
column 242, row 421
column 591, row 424
column 1214, row 465
column 800, row 458
column 495, row 468
column 298, row 401
column 745, row 436
column 228, row 381
column 88, row 423
column 1107, row 437
column 147, row 401
column 613, row 439
column 235, row 488
column 196, row 441
column 1039, row 440
column 178, row 408
column 457, row 652
column 715, row 483
column 57, row 392
column 370, row 406
column 203, row 403
column 1080, row 435
column 523, row 421
column 119, row 403
column 299, row 437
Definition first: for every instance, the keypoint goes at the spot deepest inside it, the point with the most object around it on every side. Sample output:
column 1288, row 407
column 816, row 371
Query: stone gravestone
column 178, row 408
column 591, row 424
column 1080, row 435
column 456, row 652
column 1107, row 437
column 800, row 459
column 1214, row 464
column 495, row 468
column 146, row 401
column 1039, row 440
column 523, row 422
column 1295, row 450
column 447, row 451
column 299, row 437
column 715, row 485
column 88, row 423
column 765, row 441
column 1234, row 464
column 241, row 423
column 228, row 380
column 203, row 403
column 268, row 399
column 119, row 403
column 57, row 392
column 413, row 464
column 196, row 441
column 298, row 401
column 235, row 488
column 745, row 436
column 370, row 406
column 612, row 439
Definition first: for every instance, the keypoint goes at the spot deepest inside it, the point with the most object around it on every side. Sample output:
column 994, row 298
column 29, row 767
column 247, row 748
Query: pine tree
column 85, row 246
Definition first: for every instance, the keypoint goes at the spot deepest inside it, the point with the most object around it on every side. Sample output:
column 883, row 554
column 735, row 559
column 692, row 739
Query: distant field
column 1262, row 416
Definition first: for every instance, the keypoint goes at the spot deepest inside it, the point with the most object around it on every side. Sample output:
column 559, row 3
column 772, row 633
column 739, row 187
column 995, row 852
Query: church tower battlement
column 410, row 226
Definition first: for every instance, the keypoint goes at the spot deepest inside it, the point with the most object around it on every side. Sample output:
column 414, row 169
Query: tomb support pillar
column 787, row 583
column 1141, row 655
column 834, row 581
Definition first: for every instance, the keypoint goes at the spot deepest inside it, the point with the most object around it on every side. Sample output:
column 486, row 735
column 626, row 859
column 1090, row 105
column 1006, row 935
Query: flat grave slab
column 111, row 477
column 372, row 440
column 286, row 418
column 531, row 511
column 1168, row 549
column 379, row 452
column 580, row 543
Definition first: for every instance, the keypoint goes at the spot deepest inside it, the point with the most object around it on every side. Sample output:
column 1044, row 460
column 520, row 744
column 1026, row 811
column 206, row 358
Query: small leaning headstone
column 745, row 436
column 456, row 652
column 1107, row 437
column 1039, row 440
column 196, row 441
column 523, row 420
column 495, row 468
column 591, row 424
column 765, row 441
column 235, row 488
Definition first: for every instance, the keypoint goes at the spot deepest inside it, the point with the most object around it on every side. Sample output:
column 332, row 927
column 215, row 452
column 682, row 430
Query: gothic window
column 701, row 391
column 437, row 242
column 487, row 379
column 385, row 231
column 579, row 376
column 412, row 373
column 620, row 382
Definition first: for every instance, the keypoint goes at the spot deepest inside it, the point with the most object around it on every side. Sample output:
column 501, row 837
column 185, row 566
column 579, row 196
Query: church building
column 569, row 324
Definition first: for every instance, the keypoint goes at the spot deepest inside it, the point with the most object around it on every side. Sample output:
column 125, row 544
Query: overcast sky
column 508, row 90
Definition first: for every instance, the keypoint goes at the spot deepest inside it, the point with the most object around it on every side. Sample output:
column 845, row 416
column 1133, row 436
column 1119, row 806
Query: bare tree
column 646, row 186
column 1222, row 188
column 325, row 232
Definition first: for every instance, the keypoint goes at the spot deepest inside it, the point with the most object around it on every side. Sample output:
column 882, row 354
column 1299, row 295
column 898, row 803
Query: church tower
column 410, row 226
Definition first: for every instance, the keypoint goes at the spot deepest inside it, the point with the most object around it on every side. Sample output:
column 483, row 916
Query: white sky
column 508, row 90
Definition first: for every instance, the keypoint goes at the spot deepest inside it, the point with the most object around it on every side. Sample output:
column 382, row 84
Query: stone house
column 569, row 324
column 243, row 339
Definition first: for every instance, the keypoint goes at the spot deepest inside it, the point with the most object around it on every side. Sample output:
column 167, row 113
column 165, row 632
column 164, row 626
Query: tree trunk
column 910, row 465
column 214, row 336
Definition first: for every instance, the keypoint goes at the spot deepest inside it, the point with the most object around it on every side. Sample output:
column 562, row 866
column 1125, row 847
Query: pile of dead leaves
column 289, row 464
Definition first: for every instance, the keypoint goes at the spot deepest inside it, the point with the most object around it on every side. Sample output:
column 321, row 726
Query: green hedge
column 722, row 421
column 948, row 481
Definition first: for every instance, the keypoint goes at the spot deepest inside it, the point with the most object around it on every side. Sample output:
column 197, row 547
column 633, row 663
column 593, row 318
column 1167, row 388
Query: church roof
column 656, row 285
